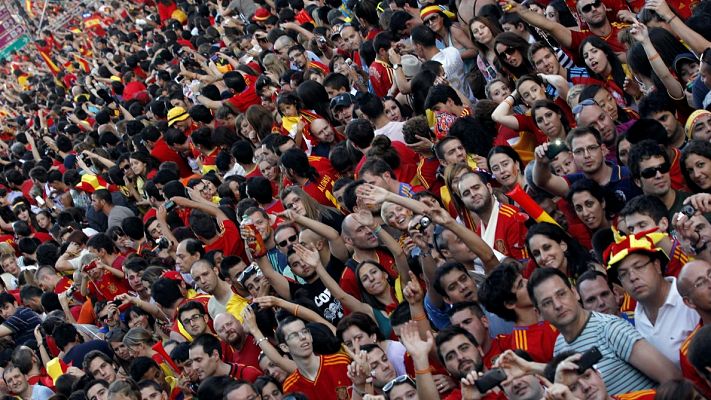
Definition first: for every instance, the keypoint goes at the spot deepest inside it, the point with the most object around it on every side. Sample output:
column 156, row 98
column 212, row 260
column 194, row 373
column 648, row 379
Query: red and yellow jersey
column 331, row 382
column 648, row 394
column 537, row 339
column 510, row 235
column 688, row 370
column 677, row 260
column 677, row 178
column 628, row 304
column 381, row 77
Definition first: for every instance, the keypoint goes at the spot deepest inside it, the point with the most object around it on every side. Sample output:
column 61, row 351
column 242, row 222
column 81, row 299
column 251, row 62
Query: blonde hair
column 138, row 335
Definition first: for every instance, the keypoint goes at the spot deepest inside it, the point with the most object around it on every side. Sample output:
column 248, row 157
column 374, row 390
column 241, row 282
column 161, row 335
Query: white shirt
column 675, row 321
column 453, row 66
column 393, row 130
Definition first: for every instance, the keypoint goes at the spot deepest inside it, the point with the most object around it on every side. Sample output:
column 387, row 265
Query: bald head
column 307, row 236
column 349, row 225
column 229, row 329
column 693, row 274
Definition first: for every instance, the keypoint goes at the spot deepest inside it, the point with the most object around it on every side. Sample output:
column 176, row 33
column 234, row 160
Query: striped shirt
column 615, row 338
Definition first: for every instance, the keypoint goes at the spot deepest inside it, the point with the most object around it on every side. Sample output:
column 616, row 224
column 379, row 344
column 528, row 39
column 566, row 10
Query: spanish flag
column 44, row 53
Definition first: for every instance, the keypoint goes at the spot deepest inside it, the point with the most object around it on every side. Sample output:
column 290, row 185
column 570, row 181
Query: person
column 425, row 44
column 206, row 278
column 591, row 204
column 231, row 331
column 324, row 376
column 102, row 201
column 599, row 295
column 73, row 348
column 696, row 165
column 17, row 383
column 206, row 358
column 100, row 366
column 19, row 322
column 359, row 328
column 629, row 361
column 551, row 247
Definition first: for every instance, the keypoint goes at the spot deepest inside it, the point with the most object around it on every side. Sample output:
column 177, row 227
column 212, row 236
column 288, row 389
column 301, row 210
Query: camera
column 688, row 210
column 490, row 380
column 162, row 243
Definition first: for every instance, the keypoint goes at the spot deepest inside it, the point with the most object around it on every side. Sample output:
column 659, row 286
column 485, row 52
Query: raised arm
column 277, row 280
column 693, row 39
column 208, row 207
column 249, row 322
column 419, row 350
column 296, row 310
column 674, row 89
column 543, row 177
column 503, row 113
column 335, row 242
column 561, row 34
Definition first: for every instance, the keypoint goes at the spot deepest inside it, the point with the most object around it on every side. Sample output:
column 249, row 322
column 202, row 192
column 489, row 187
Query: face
column 638, row 222
column 95, row 203
column 546, row 62
column 229, row 329
column 587, row 153
column 596, row 295
column 434, row 22
column 475, row 194
column 547, row 252
column 607, row 103
column 245, row 392
column 392, row 111
column 666, row 118
column 688, row 72
column 623, row 151
column 404, row 391
column 101, row 369
column 557, row 303
column 43, row 221
column 298, row 58
column 460, row 356
column 362, row 236
column 660, row 183
column 498, row 91
column 374, row 279
column 456, row 249
column 300, row 268
column 120, row 350
column 183, row 259
column 469, row 321
column 589, row 209
column 205, row 277
column 262, row 224
column 322, row 130
column 150, row 393
column 593, row 16
column 699, row 169
column 531, row 91
column 355, row 334
column 459, row 286
column 701, row 130
column 549, row 121
column 640, row 276
column 351, row 38
column 526, row 387
column 596, row 60
column 397, row 216
column 9, row 265
column 382, row 371
column 271, row 369
column 288, row 110
column 16, row 380
column 595, row 116
column 588, row 386
column 270, row 391
column 481, row 33
column 510, row 55
column 298, row 339
column 293, row 202
column 344, row 115
column 138, row 167
column 563, row 164
column 552, row 14
column 204, row 364
column 7, row 310
column 285, row 238
column 97, row 392
column 453, row 152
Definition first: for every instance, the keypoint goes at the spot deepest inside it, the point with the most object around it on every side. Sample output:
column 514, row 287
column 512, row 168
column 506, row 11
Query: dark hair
column 280, row 328
column 646, row 128
column 656, row 102
column 541, row 275
column 651, row 206
column 596, row 191
column 617, row 71
column 362, row 322
column 166, row 292
column 447, row 334
column 297, row 161
column 591, row 275
column 63, row 334
column 538, row 104
column 440, row 94
column 367, row 297
column 190, row 306
column 473, row 306
column 515, row 41
column 700, row 148
column 577, row 256
column 675, row 389
column 443, row 270
column 423, row 36
column 642, row 151
column 549, row 371
column 493, row 26
column 496, row 291
column 509, row 151
column 360, row 132
column 479, row 143
column 208, row 342
column 371, row 105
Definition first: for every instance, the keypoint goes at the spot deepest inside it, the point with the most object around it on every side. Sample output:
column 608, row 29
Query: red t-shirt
column 331, row 383
column 243, row 372
column 537, row 339
column 677, row 178
column 162, row 152
column 381, row 77
column 688, row 370
column 229, row 240
column 247, row 98
column 108, row 285
column 612, row 39
column 248, row 355
column 510, row 235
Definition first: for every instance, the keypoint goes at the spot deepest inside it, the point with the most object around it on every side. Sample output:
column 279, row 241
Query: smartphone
column 90, row 266
column 490, row 380
column 588, row 359
column 40, row 201
column 169, row 205
column 214, row 57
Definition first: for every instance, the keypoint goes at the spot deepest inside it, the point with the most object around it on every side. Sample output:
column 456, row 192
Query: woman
column 361, row 328
column 45, row 221
column 507, row 167
column 588, row 201
column 483, row 32
column 245, row 130
column 141, row 343
column 395, row 111
column 558, row 11
column 450, row 33
column 22, row 213
column 260, row 120
column 269, row 168
column 511, row 51
column 121, row 355
column 604, row 65
column 138, row 318
column 268, row 388
column 623, row 147
column 696, row 166
column 550, row 119
column 142, row 166
column 551, row 247
column 649, row 58
column 395, row 216
column 294, row 198
column 606, row 101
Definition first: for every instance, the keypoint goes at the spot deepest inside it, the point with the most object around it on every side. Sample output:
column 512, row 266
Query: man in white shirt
column 425, row 42
column 661, row 316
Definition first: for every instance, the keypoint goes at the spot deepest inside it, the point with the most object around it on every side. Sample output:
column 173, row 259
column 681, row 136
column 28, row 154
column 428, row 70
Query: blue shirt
column 620, row 183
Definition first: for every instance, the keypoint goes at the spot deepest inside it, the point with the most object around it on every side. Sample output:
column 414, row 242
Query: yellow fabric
column 236, row 306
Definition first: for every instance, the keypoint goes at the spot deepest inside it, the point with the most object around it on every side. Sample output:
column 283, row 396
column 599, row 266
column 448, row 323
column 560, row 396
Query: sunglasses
column 428, row 21
column 510, row 51
column 290, row 239
column 589, row 7
column 253, row 268
column 652, row 171
column 400, row 379
column 126, row 167
column 579, row 107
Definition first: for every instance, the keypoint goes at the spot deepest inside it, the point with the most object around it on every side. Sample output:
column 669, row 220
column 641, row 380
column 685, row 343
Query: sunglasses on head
column 253, row 268
column 589, row 7
column 290, row 239
column 400, row 379
column 579, row 107
column 651, row 172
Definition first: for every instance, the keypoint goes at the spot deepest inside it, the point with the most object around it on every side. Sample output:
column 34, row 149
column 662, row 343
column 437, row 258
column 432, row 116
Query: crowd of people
column 396, row 199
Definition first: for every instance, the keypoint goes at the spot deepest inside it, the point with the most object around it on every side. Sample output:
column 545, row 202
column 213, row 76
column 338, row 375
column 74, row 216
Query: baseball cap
column 342, row 100
column 177, row 114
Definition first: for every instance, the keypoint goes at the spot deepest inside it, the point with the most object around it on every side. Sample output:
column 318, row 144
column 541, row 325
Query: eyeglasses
column 589, row 7
column 579, row 107
column 126, row 167
column 651, row 172
column 194, row 318
column 589, row 149
column 703, row 281
column 429, row 21
column 400, row 379
column 297, row 335
column 290, row 239
column 625, row 275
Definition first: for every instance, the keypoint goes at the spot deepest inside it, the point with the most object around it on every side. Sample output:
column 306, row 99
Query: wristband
column 654, row 57
column 672, row 18
column 420, row 317
column 423, row 371
column 260, row 341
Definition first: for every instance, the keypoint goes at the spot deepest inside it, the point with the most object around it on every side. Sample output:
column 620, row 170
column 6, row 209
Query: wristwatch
column 396, row 66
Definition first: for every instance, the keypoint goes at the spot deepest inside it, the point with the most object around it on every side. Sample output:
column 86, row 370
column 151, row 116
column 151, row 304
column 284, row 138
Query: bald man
column 694, row 286
column 231, row 331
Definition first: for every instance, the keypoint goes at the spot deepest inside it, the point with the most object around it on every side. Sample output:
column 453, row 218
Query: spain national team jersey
column 648, row 394
column 331, row 382
column 510, row 234
column 537, row 339
column 688, row 370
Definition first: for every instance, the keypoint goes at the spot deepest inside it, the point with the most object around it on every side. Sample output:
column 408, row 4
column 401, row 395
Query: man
column 503, row 292
column 527, row 387
column 207, row 278
column 17, row 384
column 592, row 114
column 376, row 171
column 500, row 226
column 659, row 107
column 260, row 220
column 342, row 106
column 295, row 167
column 73, row 349
column 106, row 280
column 381, row 368
column 597, row 294
column 240, row 390
column 152, row 390
column 360, row 135
column 49, row 280
column 545, row 61
column 588, row 153
column 425, row 43
column 661, row 316
column 31, row 297
column 469, row 316
column 373, row 108
column 592, row 12
column 192, row 316
column 30, row 364
column 380, row 71
column 459, row 352
column 100, row 366
column 299, row 59
column 102, row 201
column 206, row 357
column 187, row 252
column 694, row 285
column 650, row 167
column 231, row 331
column 19, row 322
column 629, row 362
column 323, row 377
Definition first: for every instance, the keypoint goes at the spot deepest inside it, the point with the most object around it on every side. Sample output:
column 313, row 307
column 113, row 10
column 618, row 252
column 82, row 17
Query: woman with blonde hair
column 141, row 343
column 294, row 198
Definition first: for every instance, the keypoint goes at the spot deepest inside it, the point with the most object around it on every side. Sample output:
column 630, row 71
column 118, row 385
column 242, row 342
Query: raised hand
column 639, row 32
column 364, row 217
column 412, row 292
column 268, row 301
column 371, row 194
column 439, row 215
column 308, row 256
column 410, row 338
column 249, row 320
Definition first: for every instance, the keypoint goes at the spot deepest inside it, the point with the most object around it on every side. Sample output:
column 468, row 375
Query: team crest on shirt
column 500, row 246
column 342, row 393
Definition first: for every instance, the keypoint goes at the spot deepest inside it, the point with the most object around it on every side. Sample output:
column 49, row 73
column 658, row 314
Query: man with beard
column 501, row 226
column 230, row 330
column 381, row 369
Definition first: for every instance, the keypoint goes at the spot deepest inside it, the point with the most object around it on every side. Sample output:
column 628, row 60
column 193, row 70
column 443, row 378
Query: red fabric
column 229, row 241
column 407, row 156
column 249, row 355
column 247, row 98
column 381, row 77
column 165, row 11
column 132, row 89
column 510, row 236
column 611, row 39
column 537, row 339
column 677, row 178
column 332, row 382
column 688, row 370
column 244, row 372
column 162, row 152
column 108, row 285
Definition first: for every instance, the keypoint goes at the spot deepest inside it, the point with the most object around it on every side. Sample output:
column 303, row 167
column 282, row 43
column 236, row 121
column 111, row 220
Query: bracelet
column 420, row 317
column 423, row 371
column 260, row 341
column 296, row 311
column 654, row 57
column 672, row 18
